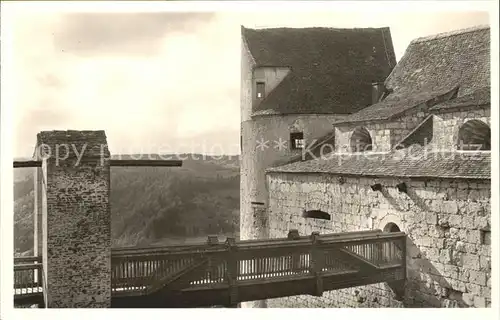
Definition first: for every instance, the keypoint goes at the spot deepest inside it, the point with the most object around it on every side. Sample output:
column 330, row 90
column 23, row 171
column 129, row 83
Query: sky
column 160, row 82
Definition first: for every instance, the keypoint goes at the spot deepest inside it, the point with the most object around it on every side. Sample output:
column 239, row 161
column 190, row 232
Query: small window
column 297, row 140
column 316, row 214
column 261, row 90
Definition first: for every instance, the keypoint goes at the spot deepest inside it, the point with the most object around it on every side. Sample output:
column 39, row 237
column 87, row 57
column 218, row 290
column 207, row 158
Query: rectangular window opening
column 297, row 140
column 261, row 90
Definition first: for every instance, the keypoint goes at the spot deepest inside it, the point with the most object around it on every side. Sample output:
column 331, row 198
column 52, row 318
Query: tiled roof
column 331, row 69
column 432, row 66
column 460, row 58
column 479, row 97
column 412, row 163
column 396, row 104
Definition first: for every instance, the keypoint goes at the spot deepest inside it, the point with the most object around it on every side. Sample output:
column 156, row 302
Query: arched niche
column 474, row 135
column 361, row 140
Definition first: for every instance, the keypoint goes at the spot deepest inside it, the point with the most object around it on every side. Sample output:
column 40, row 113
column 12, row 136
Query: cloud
column 122, row 33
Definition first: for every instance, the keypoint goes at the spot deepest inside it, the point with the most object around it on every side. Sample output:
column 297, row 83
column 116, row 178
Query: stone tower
column 76, row 218
column 295, row 83
column 292, row 91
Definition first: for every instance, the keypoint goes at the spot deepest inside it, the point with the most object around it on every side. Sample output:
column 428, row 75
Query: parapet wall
column 447, row 223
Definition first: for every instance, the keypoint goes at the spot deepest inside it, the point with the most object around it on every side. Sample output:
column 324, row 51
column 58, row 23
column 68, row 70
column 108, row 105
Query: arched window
column 474, row 135
column 316, row 214
column 361, row 140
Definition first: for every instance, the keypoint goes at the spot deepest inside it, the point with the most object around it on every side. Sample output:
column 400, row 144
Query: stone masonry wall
column 447, row 125
column 77, row 225
column 447, row 223
column 385, row 135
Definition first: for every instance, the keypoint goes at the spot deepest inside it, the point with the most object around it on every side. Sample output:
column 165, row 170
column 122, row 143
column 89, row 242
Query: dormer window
column 260, row 90
column 297, row 140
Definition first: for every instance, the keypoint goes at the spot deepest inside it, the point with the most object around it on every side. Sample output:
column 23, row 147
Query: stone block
column 431, row 218
column 445, row 256
column 477, row 277
column 481, row 222
column 479, row 302
column 455, row 220
column 474, row 208
column 473, row 288
column 468, row 299
column 468, row 222
column 474, row 236
column 470, row 261
column 449, row 207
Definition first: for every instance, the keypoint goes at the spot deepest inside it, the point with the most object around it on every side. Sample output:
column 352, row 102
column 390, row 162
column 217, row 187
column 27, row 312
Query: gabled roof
column 331, row 69
column 417, row 162
column 431, row 66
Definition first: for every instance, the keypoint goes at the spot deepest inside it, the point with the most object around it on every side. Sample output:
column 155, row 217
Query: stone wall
column 447, row 125
column 447, row 222
column 384, row 134
column 77, row 221
column 247, row 65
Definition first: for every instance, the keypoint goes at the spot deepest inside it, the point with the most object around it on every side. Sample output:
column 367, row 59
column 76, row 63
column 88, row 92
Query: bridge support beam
column 76, row 218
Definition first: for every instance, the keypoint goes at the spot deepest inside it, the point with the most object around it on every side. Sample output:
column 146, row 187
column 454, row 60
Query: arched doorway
column 391, row 227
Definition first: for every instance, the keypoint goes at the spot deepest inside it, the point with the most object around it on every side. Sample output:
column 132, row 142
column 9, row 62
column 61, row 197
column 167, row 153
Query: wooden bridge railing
column 28, row 277
column 140, row 269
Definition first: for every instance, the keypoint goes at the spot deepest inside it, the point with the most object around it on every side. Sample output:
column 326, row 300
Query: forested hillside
column 155, row 204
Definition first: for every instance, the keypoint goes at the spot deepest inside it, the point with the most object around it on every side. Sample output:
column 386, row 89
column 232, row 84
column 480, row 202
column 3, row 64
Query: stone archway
column 387, row 221
column 391, row 227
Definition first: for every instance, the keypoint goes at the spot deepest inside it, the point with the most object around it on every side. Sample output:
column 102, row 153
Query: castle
column 337, row 137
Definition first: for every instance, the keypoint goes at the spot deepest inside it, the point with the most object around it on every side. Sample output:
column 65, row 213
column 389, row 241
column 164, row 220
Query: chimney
column 378, row 89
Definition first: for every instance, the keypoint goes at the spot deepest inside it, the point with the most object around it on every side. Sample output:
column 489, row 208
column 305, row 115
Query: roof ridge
column 449, row 34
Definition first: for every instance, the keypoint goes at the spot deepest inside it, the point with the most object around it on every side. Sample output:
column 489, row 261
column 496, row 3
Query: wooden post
column 317, row 259
column 232, row 272
column 399, row 286
column 212, row 241
column 293, row 234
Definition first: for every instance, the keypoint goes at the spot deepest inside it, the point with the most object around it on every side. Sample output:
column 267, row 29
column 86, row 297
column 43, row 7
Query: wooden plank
column 27, row 164
column 145, row 163
column 24, row 260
